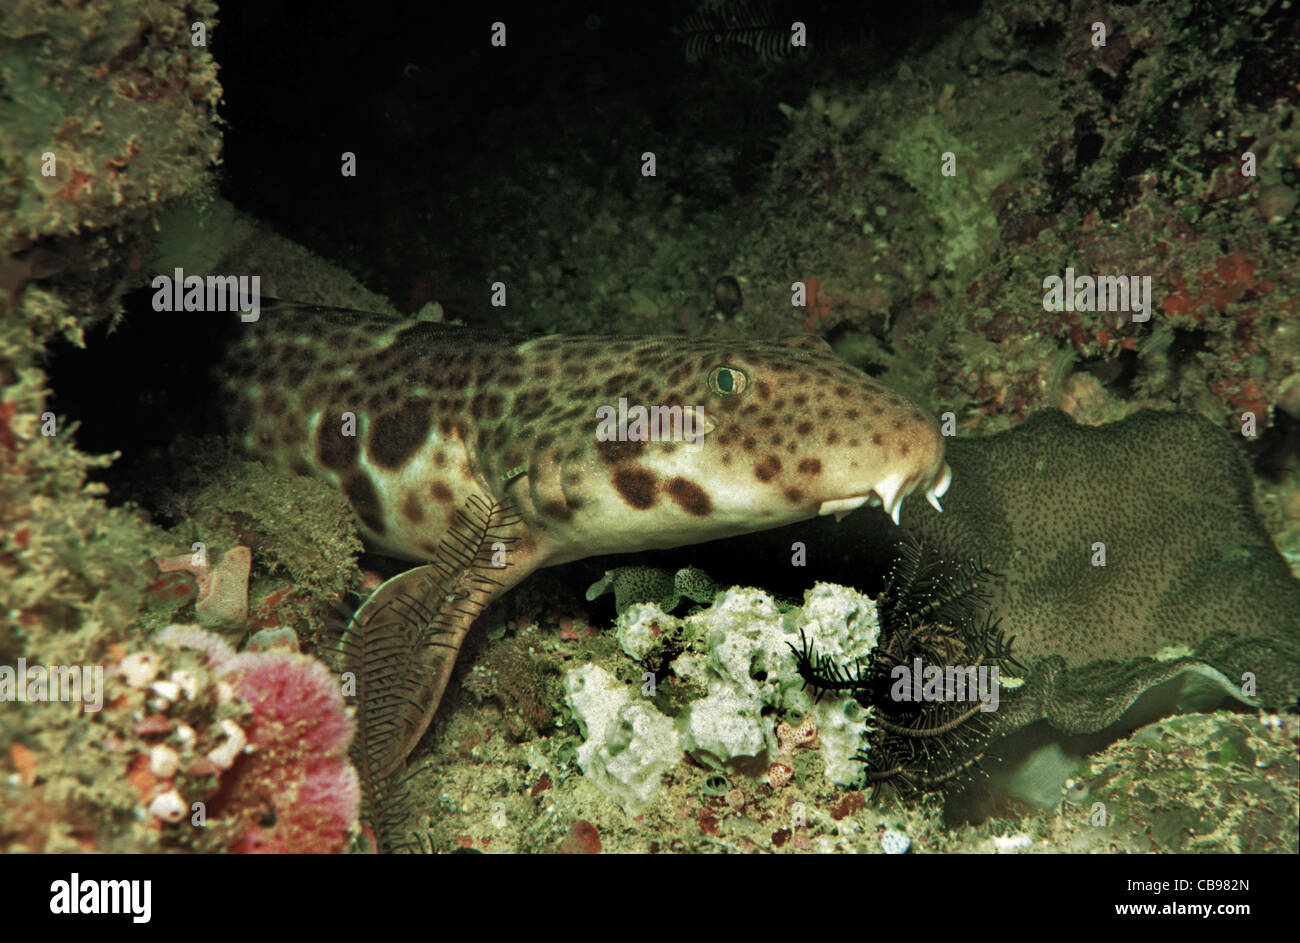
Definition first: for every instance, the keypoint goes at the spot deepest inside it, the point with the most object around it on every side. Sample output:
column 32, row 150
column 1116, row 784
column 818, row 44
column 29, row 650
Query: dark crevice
column 139, row 388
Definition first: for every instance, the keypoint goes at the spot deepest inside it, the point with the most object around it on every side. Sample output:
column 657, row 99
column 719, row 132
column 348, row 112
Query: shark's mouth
column 889, row 494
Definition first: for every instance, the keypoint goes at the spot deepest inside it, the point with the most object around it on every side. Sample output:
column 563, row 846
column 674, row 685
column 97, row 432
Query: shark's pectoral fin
column 401, row 645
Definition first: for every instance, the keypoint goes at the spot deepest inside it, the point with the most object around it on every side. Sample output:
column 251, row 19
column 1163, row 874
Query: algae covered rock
column 751, row 647
column 629, row 743
column 722, row 726
column 741, row 650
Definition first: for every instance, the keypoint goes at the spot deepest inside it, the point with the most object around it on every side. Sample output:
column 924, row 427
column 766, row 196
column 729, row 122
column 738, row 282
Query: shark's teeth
column 892, row 492
column 945, row 480
column 939, row 487
column 888, row 494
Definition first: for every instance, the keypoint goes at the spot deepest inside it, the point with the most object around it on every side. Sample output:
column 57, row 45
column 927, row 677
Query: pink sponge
column 294, row 787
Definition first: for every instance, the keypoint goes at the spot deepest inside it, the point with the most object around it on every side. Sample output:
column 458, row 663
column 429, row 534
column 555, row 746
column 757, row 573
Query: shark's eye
column 727, row 381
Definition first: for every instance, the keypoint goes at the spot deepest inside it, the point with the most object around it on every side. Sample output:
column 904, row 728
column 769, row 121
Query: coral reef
column 196, row 748
column 819, row 166
column 109, row 115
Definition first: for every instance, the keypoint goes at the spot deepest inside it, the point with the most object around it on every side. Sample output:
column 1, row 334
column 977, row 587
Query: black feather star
column 930, row 609
column 742, row 28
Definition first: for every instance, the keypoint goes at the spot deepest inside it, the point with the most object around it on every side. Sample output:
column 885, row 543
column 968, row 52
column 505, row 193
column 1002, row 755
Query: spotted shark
column 413, row 419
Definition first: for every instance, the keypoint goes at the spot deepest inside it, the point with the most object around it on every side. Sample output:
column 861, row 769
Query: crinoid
column 932, row 732
column 742, row 28
column 390, row 655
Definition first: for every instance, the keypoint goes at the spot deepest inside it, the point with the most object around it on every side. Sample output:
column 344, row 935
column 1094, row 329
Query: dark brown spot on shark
column 794, row 495
column 617, row 385
column 768, row 468
column 749, row 444
column 395, row 436
column 531, row 404
column 412, row 509
column 612, row 452
column 637, row 487
column 441, row 493
column 335, row 450
column 877, row 440
column 557, row 509
column 689, row 496
column 365, row 501
column 811, row 466
column 804, row 428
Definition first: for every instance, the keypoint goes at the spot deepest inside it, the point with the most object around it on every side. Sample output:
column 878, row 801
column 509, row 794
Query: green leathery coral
column 1167, row 497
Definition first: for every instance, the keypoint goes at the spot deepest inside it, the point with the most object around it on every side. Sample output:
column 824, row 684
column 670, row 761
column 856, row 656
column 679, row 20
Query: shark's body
column 413, row 419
